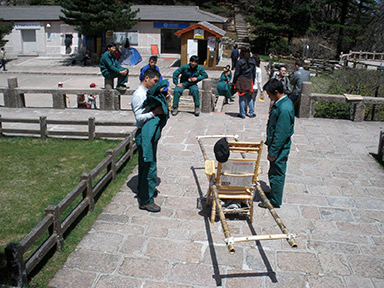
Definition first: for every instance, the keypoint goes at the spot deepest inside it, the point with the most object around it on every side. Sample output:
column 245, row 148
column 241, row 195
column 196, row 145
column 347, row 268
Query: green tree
column 5, row 29
column 94, row 17
column 275, row 21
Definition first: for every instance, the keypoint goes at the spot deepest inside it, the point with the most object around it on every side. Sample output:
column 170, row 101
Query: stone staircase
column 241, row 29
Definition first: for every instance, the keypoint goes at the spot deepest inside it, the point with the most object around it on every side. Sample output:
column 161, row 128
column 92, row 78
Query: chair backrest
column 242, row 171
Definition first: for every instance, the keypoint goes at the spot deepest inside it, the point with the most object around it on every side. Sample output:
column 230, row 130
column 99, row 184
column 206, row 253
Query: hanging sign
column 198, row 33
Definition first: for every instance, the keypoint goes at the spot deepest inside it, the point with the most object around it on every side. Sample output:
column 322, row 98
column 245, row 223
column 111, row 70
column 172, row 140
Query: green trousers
column 193, row 89
column 276, row 175
column 147, row 178
column 121, row 79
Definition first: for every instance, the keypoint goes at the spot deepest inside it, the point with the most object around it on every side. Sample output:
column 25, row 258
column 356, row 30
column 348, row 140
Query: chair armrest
column 210, row 169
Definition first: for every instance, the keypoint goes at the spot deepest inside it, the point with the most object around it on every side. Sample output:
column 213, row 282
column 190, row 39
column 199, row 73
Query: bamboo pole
column 278, row 220
column 258, row 238
column 224, row 224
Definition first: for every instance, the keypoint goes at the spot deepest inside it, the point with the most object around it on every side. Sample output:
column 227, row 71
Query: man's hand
column 180, row 85
column 168, row 96
column 193, row 79
column 123, row 72
column 158, row 111
column 271, row 158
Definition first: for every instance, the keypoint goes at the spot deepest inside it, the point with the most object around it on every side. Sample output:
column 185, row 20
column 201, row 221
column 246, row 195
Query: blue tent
column 130, row 57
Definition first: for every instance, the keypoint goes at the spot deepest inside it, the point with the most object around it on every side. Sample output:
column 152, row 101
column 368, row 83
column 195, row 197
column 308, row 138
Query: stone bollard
column 206, row 103
column 108, row 83
column 304, row 108
column 59, row 100
column 11, row 98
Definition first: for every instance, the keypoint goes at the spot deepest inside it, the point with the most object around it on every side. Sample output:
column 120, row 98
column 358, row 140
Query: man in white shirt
column 147, row 170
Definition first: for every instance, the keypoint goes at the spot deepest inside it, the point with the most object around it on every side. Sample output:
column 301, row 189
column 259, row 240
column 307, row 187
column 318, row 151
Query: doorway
column 29, row 41
column 202, row 51
column 169, row 42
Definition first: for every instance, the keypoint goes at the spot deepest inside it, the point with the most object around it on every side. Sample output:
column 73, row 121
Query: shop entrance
column 169, row 42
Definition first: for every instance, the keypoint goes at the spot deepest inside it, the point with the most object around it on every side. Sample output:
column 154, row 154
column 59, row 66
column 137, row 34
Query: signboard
column 198, row 33
column 27, row 25
column 168, row 25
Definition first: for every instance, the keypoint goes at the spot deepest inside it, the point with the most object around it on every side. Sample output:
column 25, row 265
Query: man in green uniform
column 111, row 68
column 190, row 74
column 150, row 106
column 279, row 131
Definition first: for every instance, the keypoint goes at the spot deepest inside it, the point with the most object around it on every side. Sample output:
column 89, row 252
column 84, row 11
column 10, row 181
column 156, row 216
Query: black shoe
column 241, row 116
column 232, row 100
column 156, row 193
column 197, row 111
column 252, row 116
column 150, row 207
column 175, row 111
column 263, row 205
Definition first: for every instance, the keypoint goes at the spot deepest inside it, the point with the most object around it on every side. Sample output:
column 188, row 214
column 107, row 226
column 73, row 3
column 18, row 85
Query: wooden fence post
column 88, row 193
column 43, row 127
column 129, row 148
column 11, row 98
column 1, row 127
column 56, row 226
column 112, row 166
column 380, row 152
column 16, row 265
column 91, row 128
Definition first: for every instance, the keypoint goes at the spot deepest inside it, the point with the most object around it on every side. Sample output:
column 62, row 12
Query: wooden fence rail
column 88, row 190
column 44, row 132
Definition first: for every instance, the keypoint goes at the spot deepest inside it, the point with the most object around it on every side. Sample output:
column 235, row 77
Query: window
column 120, row 37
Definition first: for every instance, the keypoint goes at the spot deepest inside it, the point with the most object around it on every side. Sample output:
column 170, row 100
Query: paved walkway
column 333, row 201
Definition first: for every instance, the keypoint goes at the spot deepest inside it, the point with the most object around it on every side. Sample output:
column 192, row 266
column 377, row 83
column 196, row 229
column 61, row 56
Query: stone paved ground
column 333, row 201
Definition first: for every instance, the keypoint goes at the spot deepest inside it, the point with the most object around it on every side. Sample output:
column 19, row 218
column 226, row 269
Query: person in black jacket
column 243, row 79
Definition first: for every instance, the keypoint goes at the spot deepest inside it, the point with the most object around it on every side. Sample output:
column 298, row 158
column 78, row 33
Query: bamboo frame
column 214, row 178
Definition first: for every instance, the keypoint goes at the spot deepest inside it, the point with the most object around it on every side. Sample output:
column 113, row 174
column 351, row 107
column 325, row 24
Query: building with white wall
column 38, row 30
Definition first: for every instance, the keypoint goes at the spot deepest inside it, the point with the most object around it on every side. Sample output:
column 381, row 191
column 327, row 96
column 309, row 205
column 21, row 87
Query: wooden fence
column 88, row 189
column 358, row 103
column 44, row 132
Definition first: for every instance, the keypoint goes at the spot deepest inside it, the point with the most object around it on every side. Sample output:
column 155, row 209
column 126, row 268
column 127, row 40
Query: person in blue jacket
column 151, row 64
column 279, row 131
column 110, row 68
column 150, row 106
column 223, row 86
column 190, row 74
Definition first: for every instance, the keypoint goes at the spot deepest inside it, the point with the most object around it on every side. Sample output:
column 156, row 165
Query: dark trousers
column 193, row 89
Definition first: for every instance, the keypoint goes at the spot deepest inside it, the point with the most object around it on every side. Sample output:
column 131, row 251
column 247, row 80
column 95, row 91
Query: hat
column 221, row 150
column 60, row 84
column 92, row 85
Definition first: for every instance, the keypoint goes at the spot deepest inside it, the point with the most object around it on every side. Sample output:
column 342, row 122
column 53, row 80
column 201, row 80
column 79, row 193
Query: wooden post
column 88, row 193
column 43, row 127
column 16, row 265
column 91, row 128
column 112, row 166
column 304, row 108
column 380, row 152
column 206, row 101
column 1, row 127
column 56, row 226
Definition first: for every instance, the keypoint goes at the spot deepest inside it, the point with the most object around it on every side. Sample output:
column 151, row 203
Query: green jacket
column 187, row 72
column 280, row 126
column 108, row 64
column 151, row 131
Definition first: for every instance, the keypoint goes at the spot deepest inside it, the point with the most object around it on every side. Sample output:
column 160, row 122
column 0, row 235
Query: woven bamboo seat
column 234, row 181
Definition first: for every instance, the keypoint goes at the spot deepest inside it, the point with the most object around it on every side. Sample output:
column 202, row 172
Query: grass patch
column 37, row 173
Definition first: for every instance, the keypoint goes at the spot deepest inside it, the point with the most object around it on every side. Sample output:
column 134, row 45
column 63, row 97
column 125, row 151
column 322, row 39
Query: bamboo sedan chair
column 235, row 180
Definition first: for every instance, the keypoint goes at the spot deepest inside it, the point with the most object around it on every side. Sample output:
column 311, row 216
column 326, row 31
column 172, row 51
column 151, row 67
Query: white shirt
column 142, row 114
column 257, row 81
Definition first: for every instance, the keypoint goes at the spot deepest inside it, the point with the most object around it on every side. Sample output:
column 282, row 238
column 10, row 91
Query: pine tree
column 93, row 17
column 5, row 29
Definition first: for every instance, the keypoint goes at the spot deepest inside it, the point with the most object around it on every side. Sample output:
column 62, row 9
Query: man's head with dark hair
column 152, row 61
column 151, row 73
column 151, row 78
column 194, row 61
column 274, row 87
column 299, row 63
column 111, row 45
column 111, row 48
column 153, row 58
